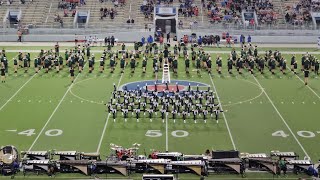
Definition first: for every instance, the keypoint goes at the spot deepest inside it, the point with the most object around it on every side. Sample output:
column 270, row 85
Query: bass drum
column 8, row 155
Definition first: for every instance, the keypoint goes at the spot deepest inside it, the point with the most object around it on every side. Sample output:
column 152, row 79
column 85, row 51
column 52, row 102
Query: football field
column 262, row 113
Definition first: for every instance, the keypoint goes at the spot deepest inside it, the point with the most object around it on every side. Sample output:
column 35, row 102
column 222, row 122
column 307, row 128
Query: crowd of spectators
column 315, row 4
column 104, row 12
column 147, row 8
column 116, row 3
column 299, row 13
column 230, row 10
column 9, row 2
column 188, row 9
column 265, row 12
column 226, row 11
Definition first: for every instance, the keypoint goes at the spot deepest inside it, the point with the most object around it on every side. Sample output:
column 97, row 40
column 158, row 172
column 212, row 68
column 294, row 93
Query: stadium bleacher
column 275, row 13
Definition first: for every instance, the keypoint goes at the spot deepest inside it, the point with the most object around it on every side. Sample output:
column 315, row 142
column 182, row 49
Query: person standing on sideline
column 249, row 39
column 19, row 35
column 168, row 37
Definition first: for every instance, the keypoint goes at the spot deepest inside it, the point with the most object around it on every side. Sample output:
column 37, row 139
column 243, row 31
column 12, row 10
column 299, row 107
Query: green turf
column 81, row 116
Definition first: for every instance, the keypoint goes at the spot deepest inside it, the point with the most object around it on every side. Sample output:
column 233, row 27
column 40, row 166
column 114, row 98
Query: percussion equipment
column 151, row 165
column 287, row 155
column 170, row 155
column 263, row 164
column 195, row 166
column 90, row 156
column 38, row 166
column 36, row 155
column 8, row 155
column 299, row 165
column 66, row 155
column 73, row 166
column 227, row 165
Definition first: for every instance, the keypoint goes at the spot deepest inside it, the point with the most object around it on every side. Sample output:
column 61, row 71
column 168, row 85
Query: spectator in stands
column 116, row 3
column 112, row 13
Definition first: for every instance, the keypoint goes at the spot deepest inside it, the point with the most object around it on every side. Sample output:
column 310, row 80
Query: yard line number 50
column 158, row 133
column 50, row 132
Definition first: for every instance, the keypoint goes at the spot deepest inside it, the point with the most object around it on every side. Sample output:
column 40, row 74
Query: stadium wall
column 69, row 35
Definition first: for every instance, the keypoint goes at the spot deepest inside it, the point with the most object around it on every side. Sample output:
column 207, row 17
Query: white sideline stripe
column 17, row 92
column 283, row 120
column 106, row 124
column 167, row 140
column 224, row 116
column 54, row 111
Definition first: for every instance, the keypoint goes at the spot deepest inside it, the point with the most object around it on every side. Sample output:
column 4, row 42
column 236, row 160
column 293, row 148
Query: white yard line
column 224, row 116
column 107, row 120
column 167, row 139
column 54, row 111
column 17, row 92
column 283, row 120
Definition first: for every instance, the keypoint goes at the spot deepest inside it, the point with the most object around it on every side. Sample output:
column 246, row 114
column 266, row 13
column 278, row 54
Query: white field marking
column 83, row 99
column 54, row 111
column 12, row 130
column 240, row 102
column 244, row 100
column 283, row 120
column 105, row 125
column 17, row 92
column 167, row 139
column 318, row 132
column 224, row 116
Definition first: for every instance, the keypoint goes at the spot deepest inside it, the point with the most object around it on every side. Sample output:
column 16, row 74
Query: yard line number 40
column 50, row 132
column 304, row 134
